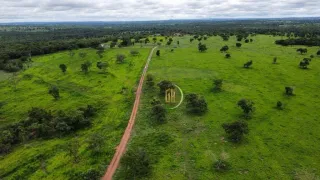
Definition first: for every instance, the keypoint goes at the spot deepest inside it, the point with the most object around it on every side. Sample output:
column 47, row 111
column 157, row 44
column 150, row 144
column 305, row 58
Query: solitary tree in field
column 154, row 40
column 275, row 60
column 196, row 104
column 251, row 40
column 120, row 58
column 63, row 68
column 246, row 41
column 238, row 44
column 302, row 50
column 71, row 53
column 289, row 90
column 202, row 47
column 217, row 84
column 279, row 105
column 224, row 48
column 228, row 56
column 246, row 106
column 318, row 53
column 178, row 42
column 247, row 64
column 236, row 130
column 158, row 53
column 54, row 91
column 305, row 63
column 102, row 65
column 191, row 39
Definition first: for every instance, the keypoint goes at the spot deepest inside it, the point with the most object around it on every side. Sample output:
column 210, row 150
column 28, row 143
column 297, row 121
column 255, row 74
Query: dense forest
column 18, row 43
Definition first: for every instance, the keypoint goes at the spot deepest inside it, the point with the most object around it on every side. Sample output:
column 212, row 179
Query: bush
column 150, row 81
column 238, row 44
column 164, row 85
column 134, row 52
column 247, row 64
column 289, row 90
column 217, row 84
column 196, row 104
column 120, row 58
column 221, row 165
column 246, row 106
column 279, row 105
column 54, row 91
column 136, row 164
column 236, row 130
column 159, row 113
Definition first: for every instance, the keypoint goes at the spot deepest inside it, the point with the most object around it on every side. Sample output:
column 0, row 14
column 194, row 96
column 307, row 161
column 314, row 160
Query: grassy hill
column 111, row 93
column 281, row 144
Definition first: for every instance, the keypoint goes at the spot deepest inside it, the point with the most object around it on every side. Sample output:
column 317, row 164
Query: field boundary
column 121, row 148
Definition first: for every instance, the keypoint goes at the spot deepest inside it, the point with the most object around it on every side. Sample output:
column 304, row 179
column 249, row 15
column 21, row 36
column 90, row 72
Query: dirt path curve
column 126, row 136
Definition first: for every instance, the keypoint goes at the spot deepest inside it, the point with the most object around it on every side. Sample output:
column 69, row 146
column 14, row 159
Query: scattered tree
column 134, row 52
column 63, row 68
column 84, row 68
column 247, row 106
column 275, row 60
column 227, row 55
column 102, row 65
column 318, row 53
column 238, row 44
column 246, row 41
column 120, row 58
column 279, row 105
column 54, row 91
column 82, row 54
column 164, row 85
column 136, row 164
column 224, row 48
column 196, row 104
column 289, row 90
column 236, row 130
column 191, row 39
column 217, row 84
column 305, row 63
column 158, row 53
column 302, row 50
column 202, row 47
column 150, row 81
column 247, row 64
column 159, row 113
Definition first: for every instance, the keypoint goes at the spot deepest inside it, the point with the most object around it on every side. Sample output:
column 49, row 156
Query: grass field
column 77, row 89
column 280, row 144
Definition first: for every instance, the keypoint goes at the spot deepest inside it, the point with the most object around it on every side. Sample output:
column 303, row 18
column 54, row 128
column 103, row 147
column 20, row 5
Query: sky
column 140, row 10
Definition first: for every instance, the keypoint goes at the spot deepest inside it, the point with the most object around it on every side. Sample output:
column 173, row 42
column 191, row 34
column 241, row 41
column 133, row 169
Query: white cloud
column 117, row 10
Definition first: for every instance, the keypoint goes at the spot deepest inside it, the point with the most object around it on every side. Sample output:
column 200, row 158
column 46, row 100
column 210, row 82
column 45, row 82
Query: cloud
column 108, row 10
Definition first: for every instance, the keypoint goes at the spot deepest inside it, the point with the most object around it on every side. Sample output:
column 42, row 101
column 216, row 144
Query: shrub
column 279, row 105
column 196, row 104
column 120, row 58
column 217, row 84
column 221, row 165
column 136, row 164
column 247, row 64
column 246, row 106
column 224, row 48
column 134, row 52
column 54, row 91
column 150, row 81
column 227, row 55
column 305, row 63
column 275, row 60
column 202, row 47
column 164, row 85
column 159, row 113
column 238, row 44
column 289, row 90
column 236, row 130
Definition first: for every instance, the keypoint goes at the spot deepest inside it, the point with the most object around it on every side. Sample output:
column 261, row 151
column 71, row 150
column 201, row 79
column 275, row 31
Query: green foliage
column 134, row 52
column 217, row 84
column 304, row 63
column 279, row 105
column 158, row 53
column 247, row 106
column 302, row 50
column 150, row 80
column 289, row 90
column 63, row 68
column 238, row 44
column 158, row 112
column 164, row 85
column 224, row 48
column 275, row 60
column 247, row 64
column 73, row 150
column 318, row 53
column 120, row 58
column 102, row 65
column 54, row 92
column 246, row 41
column 95, row 143
column 228, row 56
column 221, row 165
column 136, row 164
column 236, row 130
column 84, row 68
column 202, row 47
column 196, row 104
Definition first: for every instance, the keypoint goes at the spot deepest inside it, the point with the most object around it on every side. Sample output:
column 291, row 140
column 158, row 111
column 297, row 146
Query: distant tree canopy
column 224, row 48
column 305, row 63
column 302, row 50
column 63, row 67
column 202, row 47
column 196, row 104
column 44, row 124
column 299, row 41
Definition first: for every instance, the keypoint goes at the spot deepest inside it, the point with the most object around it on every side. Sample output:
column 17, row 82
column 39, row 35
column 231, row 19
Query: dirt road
column 126, row 136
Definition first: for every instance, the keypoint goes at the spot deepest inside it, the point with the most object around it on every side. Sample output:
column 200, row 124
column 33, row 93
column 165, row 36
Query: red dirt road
column 126, row 136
